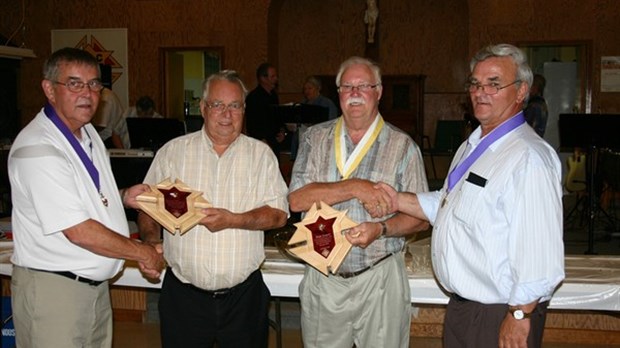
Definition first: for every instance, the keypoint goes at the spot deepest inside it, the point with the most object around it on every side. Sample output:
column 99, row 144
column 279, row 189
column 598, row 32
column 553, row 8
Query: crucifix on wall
column 372, row 29
column 370, row 18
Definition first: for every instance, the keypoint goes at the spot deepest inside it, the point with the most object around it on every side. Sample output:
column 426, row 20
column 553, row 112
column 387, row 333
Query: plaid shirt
column 245, row 177
column 394, row 159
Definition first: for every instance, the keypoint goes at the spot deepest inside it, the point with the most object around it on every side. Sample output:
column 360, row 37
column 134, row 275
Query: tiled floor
column 606, row 241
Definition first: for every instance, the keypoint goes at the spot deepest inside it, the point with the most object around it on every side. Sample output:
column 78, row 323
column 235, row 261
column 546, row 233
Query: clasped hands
column 379, row 199
column 154, row 263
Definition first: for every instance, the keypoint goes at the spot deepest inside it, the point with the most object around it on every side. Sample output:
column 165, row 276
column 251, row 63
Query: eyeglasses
column 78, row 86
column 220, row 108
column 360, row 88
column 489, row 89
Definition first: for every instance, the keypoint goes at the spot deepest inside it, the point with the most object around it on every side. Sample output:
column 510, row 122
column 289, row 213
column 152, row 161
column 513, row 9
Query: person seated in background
column 109, row 121
column 313, row 96
column 145, row 107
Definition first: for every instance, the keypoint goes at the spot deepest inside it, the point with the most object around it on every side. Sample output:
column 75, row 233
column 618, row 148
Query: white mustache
column 356, row 100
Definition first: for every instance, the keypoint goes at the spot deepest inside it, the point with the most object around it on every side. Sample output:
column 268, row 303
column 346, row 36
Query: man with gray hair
column 367, row 302
column 70, row 229
column 313, row 96
column 213, row 291
column 497, row 222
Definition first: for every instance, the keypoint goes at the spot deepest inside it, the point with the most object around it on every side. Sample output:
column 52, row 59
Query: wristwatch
column 383, row 229
column 518, row 313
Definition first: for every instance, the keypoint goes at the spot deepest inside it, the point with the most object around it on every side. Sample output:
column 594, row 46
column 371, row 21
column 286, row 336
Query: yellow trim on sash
column 365, row 143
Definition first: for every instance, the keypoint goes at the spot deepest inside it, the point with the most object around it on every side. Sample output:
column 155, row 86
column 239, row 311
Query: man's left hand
column 217, row 219
column 363, row 234
column 513, row 333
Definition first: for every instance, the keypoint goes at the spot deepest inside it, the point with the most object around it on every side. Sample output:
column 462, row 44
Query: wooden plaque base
column 173, row 205
column 319, row 238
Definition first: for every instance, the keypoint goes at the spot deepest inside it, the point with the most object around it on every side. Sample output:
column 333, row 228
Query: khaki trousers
column 53, row 311
column 372, row 309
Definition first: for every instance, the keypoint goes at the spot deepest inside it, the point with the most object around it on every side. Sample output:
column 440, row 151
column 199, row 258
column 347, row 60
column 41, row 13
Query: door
column 174, row 92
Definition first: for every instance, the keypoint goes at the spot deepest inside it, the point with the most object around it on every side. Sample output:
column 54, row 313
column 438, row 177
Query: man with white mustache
column 367, row 302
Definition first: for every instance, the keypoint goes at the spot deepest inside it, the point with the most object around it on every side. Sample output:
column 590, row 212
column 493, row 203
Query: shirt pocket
column 469, row 203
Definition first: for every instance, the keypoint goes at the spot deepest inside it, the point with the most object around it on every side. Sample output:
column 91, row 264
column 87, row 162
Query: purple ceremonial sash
column 88, row 163
column 460, row 170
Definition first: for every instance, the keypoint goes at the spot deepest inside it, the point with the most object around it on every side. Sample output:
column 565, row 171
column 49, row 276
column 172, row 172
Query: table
column 592, row 282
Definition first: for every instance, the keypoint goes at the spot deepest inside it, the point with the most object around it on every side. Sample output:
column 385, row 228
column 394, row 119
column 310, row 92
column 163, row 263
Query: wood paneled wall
column 433, row 38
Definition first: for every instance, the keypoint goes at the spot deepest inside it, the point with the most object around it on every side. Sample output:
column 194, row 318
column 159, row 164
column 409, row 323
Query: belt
column 458, row 298
column 216, row 294
column 72, row 276
column 356, row 273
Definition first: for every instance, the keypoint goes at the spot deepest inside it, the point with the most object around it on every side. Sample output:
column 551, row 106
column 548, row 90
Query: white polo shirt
column 52, row 191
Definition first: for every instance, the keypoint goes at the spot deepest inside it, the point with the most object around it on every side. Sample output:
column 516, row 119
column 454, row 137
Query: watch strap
column 525, row 314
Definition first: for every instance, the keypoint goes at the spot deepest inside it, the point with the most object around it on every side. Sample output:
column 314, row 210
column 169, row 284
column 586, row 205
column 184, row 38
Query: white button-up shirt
column 498, row 238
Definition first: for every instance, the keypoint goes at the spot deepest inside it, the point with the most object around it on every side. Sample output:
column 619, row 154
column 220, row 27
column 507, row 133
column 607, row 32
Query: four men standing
column 497, row 237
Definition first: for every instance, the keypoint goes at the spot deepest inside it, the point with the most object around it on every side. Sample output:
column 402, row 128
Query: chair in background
column 449, row 135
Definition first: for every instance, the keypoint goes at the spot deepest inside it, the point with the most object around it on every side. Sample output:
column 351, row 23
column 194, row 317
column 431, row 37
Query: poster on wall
column 109, row 46
column 610, row 74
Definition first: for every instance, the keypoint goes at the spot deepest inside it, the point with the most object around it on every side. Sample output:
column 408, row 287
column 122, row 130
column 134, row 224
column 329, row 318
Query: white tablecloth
column 592, row 282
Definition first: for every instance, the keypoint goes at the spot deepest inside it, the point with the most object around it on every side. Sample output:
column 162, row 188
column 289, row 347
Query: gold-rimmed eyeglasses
column 220, row 108
column 77, row 85
column 489, row 89
column 361, row 88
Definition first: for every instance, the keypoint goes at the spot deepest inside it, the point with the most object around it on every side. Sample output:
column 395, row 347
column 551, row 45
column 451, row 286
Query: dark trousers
column 192, row 317
column 470, row 324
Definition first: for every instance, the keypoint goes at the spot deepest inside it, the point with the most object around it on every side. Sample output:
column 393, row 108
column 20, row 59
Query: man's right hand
column 154, row 262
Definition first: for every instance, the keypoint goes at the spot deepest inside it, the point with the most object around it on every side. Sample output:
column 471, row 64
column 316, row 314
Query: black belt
column 216, row 294
column 458, row 298
column 356, row 273
column 72, row 276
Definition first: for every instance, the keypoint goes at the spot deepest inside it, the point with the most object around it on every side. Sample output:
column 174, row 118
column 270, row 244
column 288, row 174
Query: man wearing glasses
column 497, row 222
column 367, row 303
column 68, row 220
column 213, row 291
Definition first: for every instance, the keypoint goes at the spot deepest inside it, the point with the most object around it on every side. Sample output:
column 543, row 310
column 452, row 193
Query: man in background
column 109, row 121
column 536, row 111
column 70, row 230
column 145, row 107
column 213, row 291
column 261, row 119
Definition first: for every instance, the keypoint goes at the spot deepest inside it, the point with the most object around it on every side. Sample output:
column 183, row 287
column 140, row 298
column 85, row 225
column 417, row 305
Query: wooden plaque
column 174, row 205
column 319, row 238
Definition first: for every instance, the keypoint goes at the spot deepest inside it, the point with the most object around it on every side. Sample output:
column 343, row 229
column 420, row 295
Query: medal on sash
column 88, row 163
